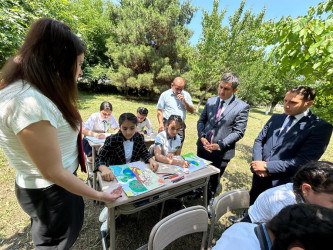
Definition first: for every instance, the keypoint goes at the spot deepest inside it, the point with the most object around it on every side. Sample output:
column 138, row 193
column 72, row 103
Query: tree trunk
column 272, row 107
column 201, row 100
column 151, row 94
column 268, row 105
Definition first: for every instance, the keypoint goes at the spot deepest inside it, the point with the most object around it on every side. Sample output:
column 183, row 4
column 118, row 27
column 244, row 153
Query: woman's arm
column 41, row 144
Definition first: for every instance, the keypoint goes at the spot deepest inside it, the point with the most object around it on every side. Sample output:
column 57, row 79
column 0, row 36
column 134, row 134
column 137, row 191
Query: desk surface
column 163, row 168
column 147, row 138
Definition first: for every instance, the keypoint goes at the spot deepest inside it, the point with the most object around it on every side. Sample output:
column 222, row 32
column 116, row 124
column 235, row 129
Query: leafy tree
column 94, row 28
column 305, row 45
column 232, row 47
column 17, row 15
column 147, row 37
column 13, row 25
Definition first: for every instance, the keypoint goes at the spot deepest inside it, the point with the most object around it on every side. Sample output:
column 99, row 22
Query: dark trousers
column 181, row 132
column 259, row 185
column 218, row 162
column 86, row 147
column 56, row 216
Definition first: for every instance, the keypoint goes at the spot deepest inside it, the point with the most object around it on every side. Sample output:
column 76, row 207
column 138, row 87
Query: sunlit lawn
column 132, row 230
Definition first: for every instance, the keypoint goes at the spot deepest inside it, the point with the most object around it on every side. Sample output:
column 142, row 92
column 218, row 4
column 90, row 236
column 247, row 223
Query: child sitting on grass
column 123, row 147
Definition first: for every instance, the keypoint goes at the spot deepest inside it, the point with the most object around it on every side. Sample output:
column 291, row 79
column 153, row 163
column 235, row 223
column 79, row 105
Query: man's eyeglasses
column 106, row 114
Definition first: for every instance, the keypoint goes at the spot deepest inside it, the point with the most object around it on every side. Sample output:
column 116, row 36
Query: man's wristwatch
column 265, row 167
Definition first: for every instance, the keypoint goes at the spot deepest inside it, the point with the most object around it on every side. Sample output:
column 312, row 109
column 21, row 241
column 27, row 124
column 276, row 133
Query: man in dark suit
column 288, row 141
column 221, row 124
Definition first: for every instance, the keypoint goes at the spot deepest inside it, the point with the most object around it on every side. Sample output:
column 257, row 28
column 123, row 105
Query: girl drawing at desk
column 98, row 124
column 123, row 147
column 168, row 143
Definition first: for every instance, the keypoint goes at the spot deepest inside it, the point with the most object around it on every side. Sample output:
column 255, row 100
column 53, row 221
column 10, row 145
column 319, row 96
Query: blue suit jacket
column 229, row 128
column 305, row 141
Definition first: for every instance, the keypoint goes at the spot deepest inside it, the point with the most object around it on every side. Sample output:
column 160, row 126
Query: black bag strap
column 259, row 231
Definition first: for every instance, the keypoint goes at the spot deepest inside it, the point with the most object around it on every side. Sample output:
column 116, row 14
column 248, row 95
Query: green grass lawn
column 132, row 230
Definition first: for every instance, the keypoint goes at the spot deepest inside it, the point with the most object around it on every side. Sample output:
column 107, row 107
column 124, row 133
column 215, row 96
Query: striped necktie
column 209, row 138
column 285, row 129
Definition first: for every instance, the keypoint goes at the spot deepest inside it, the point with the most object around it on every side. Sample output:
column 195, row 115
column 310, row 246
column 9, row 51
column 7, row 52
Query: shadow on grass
column 235, row 179
column 19, row 240
column 246, row 152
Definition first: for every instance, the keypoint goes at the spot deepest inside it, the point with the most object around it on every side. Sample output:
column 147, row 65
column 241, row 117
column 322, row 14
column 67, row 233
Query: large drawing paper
column 135, row 178
column 195, row 161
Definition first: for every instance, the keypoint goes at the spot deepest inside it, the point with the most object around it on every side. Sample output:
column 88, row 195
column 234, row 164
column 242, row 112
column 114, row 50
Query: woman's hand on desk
column 153, row 165
column 106, row 173
column 112, row 196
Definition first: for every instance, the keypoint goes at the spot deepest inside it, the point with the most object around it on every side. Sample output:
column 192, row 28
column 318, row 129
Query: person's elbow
column 52, row 175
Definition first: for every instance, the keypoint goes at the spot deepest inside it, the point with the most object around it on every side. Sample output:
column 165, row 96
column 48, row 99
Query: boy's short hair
column 142, row 111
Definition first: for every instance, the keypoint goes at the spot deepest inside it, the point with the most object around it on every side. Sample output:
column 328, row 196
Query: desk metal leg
column 93, row 166
column 205, row 195
column 112, row 227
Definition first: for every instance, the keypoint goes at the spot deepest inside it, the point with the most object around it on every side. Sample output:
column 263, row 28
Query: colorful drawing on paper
column 195, row 161
column 135, row 178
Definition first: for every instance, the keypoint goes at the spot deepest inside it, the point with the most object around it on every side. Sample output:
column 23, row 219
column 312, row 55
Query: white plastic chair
column 234, row 199
column 183, row 222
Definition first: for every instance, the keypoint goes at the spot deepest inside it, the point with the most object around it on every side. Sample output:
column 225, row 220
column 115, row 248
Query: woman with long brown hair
column 39, row 127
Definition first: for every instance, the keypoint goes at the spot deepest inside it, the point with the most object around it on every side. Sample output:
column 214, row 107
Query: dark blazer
column 307, row 140
column 228, row 129
column 113, row 152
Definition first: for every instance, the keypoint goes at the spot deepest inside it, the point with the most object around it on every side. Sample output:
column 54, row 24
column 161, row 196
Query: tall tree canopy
column 17, row 15
column 147, row 39
column 224, row 48
column 305, row 45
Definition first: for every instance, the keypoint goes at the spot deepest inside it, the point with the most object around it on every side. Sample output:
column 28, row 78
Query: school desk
column 129, row 205
column 149, row 140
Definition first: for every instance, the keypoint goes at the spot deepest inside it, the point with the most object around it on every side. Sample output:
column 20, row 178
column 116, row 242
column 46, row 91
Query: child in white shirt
column 98, row 124
column 143, row 121
column 168, row 144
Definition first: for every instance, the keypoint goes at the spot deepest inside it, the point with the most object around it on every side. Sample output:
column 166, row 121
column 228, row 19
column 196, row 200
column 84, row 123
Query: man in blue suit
column 288, row 141
column 221, row 124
